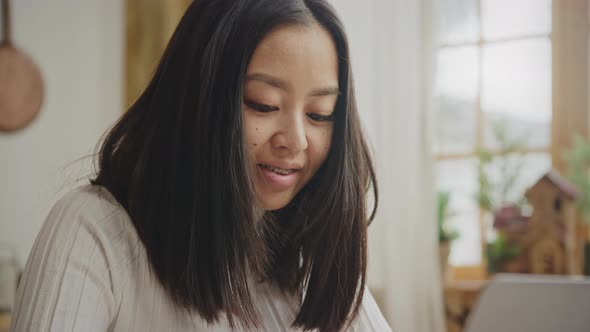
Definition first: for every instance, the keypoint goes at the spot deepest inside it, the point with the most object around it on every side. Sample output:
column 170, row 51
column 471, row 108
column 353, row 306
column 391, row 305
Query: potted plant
column 446, row 235
column 497, row 193
column 499, row 252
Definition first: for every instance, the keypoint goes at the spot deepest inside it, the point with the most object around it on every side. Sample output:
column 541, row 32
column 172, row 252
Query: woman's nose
column 291, row 135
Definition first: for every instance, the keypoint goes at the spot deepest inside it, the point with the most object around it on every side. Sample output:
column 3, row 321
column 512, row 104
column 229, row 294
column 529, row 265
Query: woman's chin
column 274, row 203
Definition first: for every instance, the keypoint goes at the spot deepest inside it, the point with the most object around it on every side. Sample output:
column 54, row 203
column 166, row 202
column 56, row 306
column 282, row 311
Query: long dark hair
column 177, row 163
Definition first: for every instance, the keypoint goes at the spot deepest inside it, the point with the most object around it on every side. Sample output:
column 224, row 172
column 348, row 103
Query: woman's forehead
column 291, row 53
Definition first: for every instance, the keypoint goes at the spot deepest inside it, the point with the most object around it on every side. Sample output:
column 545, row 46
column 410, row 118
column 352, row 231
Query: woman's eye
column 320, row 118
column 260, row 107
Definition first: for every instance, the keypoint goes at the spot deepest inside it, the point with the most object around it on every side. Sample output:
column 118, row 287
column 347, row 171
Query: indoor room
column 437, row 180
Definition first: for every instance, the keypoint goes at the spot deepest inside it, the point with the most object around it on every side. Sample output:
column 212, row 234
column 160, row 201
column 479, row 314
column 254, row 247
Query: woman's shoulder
column 92, row 211
column 92, row 201
column 77, row 264
column 89, row 206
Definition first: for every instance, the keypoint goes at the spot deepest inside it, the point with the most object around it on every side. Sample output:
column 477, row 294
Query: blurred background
column 476, row 110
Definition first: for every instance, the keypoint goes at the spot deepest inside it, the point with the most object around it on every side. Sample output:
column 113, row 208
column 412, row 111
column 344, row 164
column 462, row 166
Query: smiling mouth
column 278, row 170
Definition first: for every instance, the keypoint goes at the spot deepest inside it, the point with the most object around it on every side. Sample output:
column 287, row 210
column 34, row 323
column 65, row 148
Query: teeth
column 278, row 170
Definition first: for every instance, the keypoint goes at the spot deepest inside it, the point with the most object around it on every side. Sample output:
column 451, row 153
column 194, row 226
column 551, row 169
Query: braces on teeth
column 278, row 170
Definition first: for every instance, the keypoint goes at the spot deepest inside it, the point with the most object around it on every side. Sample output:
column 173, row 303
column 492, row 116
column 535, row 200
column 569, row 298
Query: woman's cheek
column 326, row 142
column 251, row 128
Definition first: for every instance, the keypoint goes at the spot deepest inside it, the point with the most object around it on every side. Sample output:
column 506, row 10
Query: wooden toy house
column 547, row 238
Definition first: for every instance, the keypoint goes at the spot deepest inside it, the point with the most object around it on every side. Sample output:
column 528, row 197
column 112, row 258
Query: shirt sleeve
column 369, row 318
column 66, row 285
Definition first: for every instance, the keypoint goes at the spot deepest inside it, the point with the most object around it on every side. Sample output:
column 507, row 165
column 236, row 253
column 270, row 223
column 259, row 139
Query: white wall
column 78, row 44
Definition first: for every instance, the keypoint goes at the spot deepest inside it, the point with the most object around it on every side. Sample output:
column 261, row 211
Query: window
column 494, row 68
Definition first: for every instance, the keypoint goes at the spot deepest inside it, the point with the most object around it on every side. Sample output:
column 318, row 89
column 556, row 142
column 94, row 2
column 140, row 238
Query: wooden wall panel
column 570, row 75
column 150, row 24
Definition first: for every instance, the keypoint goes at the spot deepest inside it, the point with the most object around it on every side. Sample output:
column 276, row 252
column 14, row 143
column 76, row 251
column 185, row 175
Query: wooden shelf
column 459, row 297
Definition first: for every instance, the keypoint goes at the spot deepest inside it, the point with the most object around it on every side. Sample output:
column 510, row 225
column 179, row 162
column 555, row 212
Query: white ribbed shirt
column 88, row 271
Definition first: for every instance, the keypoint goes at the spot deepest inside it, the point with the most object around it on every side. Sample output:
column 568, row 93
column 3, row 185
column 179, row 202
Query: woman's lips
column 278, row 181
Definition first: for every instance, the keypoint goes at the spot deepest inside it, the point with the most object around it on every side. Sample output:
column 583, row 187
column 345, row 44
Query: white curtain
column 392, row 46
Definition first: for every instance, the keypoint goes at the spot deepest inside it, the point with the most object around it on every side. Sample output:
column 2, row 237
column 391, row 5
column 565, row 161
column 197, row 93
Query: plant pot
column 444, row 249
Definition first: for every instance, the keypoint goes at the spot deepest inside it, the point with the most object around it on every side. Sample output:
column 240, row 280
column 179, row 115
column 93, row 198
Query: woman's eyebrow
column 270, row 80
column 325, row 92
column 280, row 84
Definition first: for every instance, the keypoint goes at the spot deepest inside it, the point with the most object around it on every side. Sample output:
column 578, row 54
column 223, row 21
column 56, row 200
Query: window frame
column 569, row 38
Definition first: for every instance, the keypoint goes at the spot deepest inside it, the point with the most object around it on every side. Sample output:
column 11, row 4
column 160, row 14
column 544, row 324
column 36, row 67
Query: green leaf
column 443, row 213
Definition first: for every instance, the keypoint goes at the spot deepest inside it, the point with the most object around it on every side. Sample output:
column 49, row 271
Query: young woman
column 230, row 196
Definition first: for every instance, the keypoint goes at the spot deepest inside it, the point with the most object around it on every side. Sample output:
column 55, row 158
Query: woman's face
column 290, row 92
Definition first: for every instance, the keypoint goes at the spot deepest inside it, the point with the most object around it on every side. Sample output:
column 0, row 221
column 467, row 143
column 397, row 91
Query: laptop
column 535, row 303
